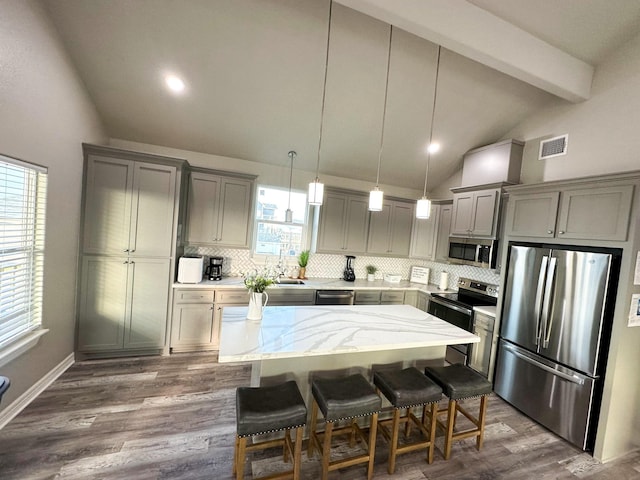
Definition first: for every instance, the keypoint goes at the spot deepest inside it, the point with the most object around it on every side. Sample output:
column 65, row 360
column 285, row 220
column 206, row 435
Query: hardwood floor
column 174, row 418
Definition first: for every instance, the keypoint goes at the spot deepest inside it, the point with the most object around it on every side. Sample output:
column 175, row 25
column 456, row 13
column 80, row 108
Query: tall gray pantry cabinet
column 130, row 222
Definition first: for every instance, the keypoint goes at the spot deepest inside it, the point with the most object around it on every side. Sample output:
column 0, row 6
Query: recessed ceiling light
column 174, row 83
column 433, row 148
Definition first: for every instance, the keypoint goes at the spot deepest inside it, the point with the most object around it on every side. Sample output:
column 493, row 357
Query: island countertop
column 306, row 331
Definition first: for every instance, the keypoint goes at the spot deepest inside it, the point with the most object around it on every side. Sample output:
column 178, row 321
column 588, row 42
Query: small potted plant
column 371, row 272
column 303, row 259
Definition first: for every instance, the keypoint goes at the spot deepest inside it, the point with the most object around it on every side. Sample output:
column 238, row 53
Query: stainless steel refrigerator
column 554, row 335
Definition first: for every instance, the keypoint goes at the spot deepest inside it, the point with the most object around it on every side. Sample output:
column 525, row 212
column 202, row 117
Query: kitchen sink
column 289, row 281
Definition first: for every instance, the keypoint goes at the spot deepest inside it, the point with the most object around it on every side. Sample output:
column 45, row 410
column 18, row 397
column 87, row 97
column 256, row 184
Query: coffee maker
column 214, row 269
column 349, row 275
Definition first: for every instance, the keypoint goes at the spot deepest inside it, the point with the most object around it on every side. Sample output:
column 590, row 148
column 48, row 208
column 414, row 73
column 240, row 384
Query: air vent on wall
column 553, row 147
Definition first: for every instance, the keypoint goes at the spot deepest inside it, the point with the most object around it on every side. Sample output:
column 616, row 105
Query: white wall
column 45, row 114
column 603, row 131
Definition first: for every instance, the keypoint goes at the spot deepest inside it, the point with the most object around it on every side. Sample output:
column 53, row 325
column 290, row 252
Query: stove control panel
column 478, row 287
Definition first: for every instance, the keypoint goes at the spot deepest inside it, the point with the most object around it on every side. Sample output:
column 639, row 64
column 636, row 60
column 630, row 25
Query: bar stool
column 459, row 382
column 339, row 399
column 262, row 410
column 406, row 389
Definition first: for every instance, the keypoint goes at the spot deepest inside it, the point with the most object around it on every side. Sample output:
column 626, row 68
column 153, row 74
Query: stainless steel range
column 457, row 309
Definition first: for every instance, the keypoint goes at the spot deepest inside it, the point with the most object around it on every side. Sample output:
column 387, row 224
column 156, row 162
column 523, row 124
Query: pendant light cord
column 324, row 90
column 384, row 112
column 433, row 114
column 292, row 155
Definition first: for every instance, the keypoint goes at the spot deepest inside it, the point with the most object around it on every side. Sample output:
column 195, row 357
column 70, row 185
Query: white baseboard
column 36, row 389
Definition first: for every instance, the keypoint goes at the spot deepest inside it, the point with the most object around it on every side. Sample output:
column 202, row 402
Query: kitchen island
column 296, row 341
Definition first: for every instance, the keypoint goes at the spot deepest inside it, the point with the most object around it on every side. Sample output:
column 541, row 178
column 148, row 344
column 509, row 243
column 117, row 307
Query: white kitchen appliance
column 190, row 269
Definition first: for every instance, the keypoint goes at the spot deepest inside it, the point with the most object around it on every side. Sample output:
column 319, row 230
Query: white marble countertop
column 318, row 284
column 290, row 332
column 489, row 310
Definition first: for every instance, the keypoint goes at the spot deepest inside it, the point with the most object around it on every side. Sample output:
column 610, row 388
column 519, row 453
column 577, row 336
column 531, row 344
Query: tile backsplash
column 331, row 266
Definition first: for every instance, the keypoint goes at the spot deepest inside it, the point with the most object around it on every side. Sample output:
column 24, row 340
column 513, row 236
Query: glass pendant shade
column 423, row 208
column 375, row 200
column 316, row 192
column 288, row 216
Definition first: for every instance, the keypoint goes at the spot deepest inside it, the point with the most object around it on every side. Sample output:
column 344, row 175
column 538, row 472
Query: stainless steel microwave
column 478, row 252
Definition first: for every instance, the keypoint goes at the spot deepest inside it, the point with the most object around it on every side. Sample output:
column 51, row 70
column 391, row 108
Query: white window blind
column 23, row 194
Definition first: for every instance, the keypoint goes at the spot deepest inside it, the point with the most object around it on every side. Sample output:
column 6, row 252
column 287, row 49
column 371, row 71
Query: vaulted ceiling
column 254, row 73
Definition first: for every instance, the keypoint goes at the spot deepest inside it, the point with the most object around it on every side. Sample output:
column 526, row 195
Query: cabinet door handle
column 125, row 262
column 550, row 232
column 126, row 250
column 561, row 232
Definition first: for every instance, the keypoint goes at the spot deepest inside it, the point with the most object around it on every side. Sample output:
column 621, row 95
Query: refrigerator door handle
column 547, row 319
column 570, row 378
column 539, row 298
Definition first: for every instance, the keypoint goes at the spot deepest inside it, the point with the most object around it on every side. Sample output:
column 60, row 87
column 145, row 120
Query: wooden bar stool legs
column 405, row 389
column 459, row 382
column 341, row 399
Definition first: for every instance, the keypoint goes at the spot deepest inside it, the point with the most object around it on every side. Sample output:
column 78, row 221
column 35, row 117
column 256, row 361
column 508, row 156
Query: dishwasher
column 334, row 297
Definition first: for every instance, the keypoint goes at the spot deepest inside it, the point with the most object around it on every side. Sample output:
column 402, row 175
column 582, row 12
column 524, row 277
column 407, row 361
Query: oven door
column 456, row 315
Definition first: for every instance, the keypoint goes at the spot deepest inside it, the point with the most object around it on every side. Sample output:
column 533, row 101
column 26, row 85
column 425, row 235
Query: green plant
column 371, row 269
column 257, row 281
column 303, row 258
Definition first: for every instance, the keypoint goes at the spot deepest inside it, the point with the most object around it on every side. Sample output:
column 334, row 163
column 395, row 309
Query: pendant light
column 376, row 195
column 288, row 216
column 423, row 207
column 316, row 189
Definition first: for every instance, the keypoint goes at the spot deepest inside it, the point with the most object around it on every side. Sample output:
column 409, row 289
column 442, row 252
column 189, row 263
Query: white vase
column 371, row 277
column 255, row 305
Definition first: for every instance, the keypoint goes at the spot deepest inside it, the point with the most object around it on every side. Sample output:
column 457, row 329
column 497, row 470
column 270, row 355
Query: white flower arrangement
column 258, row 280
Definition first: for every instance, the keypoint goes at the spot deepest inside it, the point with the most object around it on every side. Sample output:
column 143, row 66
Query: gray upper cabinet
column 129, row 207
column 219, row 210
column 424, row 235
column 590, row 212
column 390, row 229
column 344, row 223
column 444, row 229
column 475, row 213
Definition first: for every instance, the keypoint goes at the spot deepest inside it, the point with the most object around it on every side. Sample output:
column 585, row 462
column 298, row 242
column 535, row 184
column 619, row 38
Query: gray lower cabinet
column 123, row 304
column 411, row 298
column 392, row 297
column 422, row 301
column 379, row 297
column 367, row 297
column 192, row 324
column 588, row 212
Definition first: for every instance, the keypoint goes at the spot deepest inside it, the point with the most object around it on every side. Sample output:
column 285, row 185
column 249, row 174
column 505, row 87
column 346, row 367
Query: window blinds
column 23, row 192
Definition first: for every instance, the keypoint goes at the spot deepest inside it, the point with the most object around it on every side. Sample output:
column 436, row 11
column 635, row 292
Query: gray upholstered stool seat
column 4, row 385
column 405, row 389
column 261, row 410
column 339, row 399
column 459, row 382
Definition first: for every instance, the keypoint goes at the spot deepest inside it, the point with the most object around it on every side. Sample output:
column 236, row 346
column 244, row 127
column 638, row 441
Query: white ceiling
column 254, row 71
